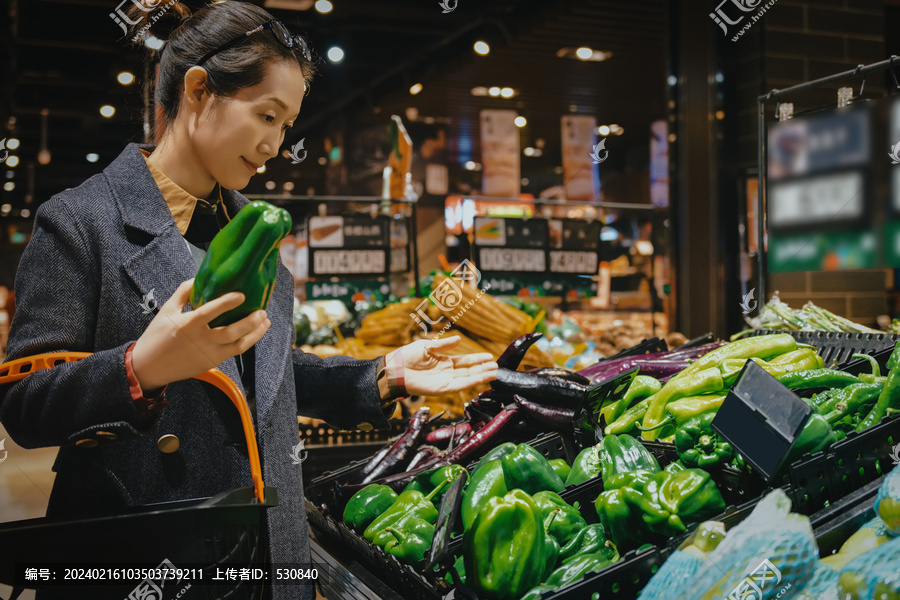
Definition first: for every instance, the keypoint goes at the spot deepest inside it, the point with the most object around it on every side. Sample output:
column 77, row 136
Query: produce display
column 777, row 315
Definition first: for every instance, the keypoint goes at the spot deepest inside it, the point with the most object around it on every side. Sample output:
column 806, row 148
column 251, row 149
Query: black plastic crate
column 862, row 457
column 839, row 346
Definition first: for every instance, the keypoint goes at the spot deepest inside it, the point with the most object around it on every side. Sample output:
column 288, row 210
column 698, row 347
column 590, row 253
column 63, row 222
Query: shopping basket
column 200, row 534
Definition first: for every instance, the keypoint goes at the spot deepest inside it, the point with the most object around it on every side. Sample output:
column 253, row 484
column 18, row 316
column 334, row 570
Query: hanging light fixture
column 44, row 156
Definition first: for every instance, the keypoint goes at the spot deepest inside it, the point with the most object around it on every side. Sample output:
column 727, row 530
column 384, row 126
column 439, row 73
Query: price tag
column 512, row 259
column 349, row 262
column 573, row 261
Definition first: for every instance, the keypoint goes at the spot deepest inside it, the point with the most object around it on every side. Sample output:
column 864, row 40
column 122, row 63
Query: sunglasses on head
column 281, row 33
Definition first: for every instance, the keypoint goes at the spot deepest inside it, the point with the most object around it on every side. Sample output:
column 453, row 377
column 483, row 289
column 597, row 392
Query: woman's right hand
column 179, row 345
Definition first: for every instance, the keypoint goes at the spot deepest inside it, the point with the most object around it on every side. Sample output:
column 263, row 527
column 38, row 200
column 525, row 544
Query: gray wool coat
column 96, row 251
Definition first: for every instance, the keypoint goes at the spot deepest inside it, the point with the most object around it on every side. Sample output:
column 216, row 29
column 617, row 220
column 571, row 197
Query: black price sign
column 574, row 246
column 511, row 245
column 351, row 245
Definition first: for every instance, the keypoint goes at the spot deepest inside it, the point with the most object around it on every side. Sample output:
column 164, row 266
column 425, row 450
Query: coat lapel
column 162, row 264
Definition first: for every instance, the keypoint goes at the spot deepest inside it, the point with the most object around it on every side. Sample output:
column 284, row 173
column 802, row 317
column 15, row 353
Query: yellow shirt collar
column 181, row 203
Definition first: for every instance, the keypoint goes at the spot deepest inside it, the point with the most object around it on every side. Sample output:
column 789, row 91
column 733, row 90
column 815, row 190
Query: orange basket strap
column 16, row 370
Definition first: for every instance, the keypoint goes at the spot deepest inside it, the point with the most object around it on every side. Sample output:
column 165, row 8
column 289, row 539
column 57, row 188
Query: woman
column 133, row 427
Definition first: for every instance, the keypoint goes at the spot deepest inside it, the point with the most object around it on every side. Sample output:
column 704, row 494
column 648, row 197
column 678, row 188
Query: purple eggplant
column 443, row 435
column 552, row 415
column 423, row 453
column 373, row 462
column 605, row 369
column 515, row 352
column 399, row 452
column 548, row 390
column 485, row 436
column 563, row 373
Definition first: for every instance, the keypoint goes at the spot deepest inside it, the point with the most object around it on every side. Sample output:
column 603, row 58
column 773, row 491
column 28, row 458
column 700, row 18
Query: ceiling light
column 9, row 186
column 288, row 186
column 415, row 89
column 494, row 91
column 270, row 185
column 479, row 91
column 335, row 54
column 584, row 53
column 720, row 115
column 125, row 78
column 616, row 129
column 529, row 151
column 153, row 42
column 323, row 161
column 521, row 121
column 261, row 170
column 482, row 48
column 5, row 208
column 603, row 130
column 12, row 161
column 472, row 166
column 92, row 157
column 507, row 92
column 107, row 111
column 25, row 213
column 10, row 174
column 12, row 143
column 324, row 6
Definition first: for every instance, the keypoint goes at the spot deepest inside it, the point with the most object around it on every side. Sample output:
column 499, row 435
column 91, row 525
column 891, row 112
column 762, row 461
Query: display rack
column 285, row 201
column 778, row 94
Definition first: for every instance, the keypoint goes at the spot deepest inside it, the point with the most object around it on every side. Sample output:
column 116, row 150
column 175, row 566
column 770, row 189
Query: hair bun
column 159, row 18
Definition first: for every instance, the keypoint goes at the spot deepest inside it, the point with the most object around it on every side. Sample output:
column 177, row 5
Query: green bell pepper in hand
column 890, row 395
column 699, row 446
column 411, row 503
column 366, row 504
column 666, row 501
column 564, row 520
column 408, row 539
column 590, row 540
column 526, row 469
column 505, row 548
column 242, row 257
column 486, row 482
column 560, row 467
column 573, row 571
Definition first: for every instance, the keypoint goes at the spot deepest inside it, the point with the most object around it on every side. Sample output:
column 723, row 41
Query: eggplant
column 373, row 462
column 424, row 452
column 442, row 435
column 487, row 435
column 564, row 373
column 548, row 390
column 605, row 369
column 515, row 352
column 552, row 415
column 396, row 457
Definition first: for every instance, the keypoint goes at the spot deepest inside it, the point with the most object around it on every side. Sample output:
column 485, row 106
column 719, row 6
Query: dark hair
column 189, row 36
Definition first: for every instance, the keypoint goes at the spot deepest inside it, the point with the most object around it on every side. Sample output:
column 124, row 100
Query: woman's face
column 237, row 135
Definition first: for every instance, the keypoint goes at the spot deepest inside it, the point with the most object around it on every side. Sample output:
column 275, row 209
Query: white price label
column 510, row 259
column 345, row 262
column 829, row 198
column 572, row 261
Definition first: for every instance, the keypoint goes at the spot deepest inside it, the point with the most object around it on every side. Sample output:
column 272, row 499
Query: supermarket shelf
column 341, row 577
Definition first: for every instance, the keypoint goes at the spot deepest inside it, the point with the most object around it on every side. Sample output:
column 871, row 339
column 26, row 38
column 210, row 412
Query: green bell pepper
column 495, row 454
column 890, row 395
column 560, row 467
column 242, row 257
column 573, row 571
column 425, row 482
column 564, row 520
column 698, row 445
column 366, row 504
column 614, row 454
column 623, row 525
column 590, row 540
column 504, row 550
column 408, row 539
column 486, row 482
column 411, row 503
column 667, row 501
column 526, row 469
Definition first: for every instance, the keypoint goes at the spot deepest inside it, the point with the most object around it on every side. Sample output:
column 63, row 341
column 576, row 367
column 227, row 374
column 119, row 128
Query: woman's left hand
column 426, row 373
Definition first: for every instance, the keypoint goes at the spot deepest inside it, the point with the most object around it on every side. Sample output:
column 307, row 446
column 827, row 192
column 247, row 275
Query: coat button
column 107, row 435
column 168, row 443
column 86, row 443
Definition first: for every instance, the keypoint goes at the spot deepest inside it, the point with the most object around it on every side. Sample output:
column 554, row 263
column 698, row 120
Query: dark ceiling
column 64, row 55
